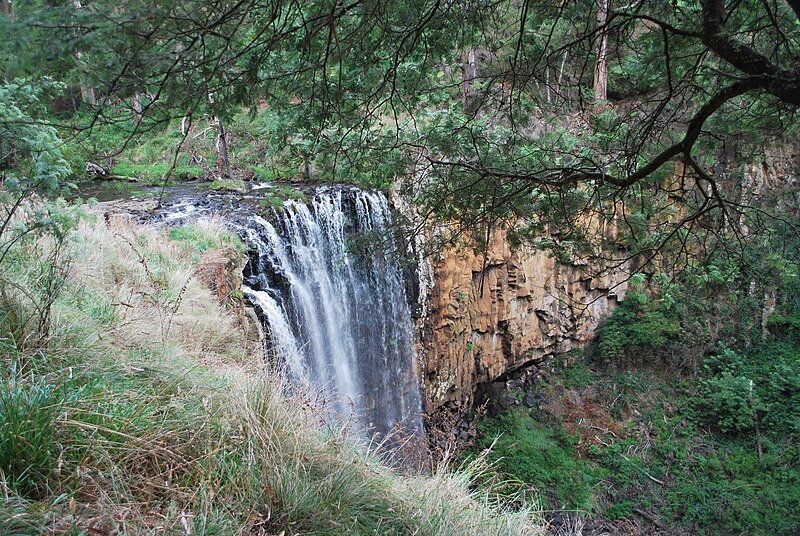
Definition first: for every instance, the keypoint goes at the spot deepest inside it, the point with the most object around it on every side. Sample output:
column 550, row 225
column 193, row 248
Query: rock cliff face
column 485, row 316
column 771, row 181
column 489, row 314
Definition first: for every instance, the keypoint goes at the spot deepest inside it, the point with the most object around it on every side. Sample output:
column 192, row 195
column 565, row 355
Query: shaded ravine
column 325, row 281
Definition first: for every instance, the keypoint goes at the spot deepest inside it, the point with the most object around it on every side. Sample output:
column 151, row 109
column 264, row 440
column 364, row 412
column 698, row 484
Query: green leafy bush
column 761, row 386
column 30, row 150
column 729, row 401
column 638, row 325
column 784, row 324
column 729, row 488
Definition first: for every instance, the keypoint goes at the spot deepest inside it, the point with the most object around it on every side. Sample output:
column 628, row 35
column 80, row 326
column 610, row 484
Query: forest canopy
column 527, row 112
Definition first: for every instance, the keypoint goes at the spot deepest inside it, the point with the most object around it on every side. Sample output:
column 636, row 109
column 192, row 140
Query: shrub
column 638, row 325
column 760, row 386
column 785, row 325
column 729, row 402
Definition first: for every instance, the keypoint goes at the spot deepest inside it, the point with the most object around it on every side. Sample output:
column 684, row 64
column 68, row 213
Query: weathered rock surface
column 220, row 270
column 489, row 314
column 770, row 180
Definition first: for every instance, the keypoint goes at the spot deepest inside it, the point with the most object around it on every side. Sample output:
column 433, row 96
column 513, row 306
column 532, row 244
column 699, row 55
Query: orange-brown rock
column 220, row 270
column 489, row 314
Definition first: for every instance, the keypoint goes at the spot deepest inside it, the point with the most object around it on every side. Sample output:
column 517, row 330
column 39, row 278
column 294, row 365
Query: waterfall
column 326, row 283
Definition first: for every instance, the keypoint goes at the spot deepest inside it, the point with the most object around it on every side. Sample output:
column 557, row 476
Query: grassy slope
column 137, row 411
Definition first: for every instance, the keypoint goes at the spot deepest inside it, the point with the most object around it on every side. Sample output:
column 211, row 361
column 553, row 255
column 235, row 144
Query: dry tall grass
column 142, row 415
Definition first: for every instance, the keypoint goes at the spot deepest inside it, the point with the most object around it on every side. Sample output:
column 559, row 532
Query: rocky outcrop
column 494, row 312
column 220, row 270
column 769, row 180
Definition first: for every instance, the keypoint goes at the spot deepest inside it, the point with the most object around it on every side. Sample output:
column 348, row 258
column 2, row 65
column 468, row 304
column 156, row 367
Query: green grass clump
column 540, row 455
column 206, row 235
column 287, row 192
column 276, row 197
column 225, row 185
column 28, row 440
column 577, row 375
column 272, row 173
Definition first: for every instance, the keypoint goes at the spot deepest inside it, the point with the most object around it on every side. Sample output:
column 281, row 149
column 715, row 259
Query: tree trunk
column 222, row 149
column 7, row 8
column 468, row 76
column 87, row 91
column 601, row 67
column 136, row 106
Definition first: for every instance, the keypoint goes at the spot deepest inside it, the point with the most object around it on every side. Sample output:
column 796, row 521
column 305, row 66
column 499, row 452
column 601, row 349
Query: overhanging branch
column 781, row 82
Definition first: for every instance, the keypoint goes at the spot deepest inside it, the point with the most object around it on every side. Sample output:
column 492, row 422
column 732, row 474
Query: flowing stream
column 325, row 280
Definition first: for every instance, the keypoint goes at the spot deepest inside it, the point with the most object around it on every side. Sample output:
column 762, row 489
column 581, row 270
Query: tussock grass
column 141, row 414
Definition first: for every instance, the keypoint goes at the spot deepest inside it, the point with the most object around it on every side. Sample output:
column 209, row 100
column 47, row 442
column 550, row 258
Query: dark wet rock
column 507, row 399
column 530, row 399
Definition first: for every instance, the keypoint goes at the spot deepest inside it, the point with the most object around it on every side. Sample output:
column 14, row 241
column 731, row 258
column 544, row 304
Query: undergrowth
column 712, row 454
column 543, row 456
column 261, row 147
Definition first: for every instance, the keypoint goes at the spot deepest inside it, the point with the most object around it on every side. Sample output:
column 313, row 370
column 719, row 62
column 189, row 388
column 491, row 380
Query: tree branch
column 780, row 82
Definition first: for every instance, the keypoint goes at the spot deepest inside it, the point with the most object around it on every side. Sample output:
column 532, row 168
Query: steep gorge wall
column 484, row 317
column 489, row 313
column 771, row 180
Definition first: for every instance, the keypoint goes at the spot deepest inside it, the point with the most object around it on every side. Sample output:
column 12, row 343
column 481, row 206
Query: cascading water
column 335, row 313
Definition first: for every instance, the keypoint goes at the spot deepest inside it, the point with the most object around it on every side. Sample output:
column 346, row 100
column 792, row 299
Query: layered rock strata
column 490, row 313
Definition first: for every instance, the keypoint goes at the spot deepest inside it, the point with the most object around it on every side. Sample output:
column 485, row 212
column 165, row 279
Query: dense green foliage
column 639, row 443
column 30, row 153
column 638, row 326
column 32, row 164
column 543, row 456
column 759, row 388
